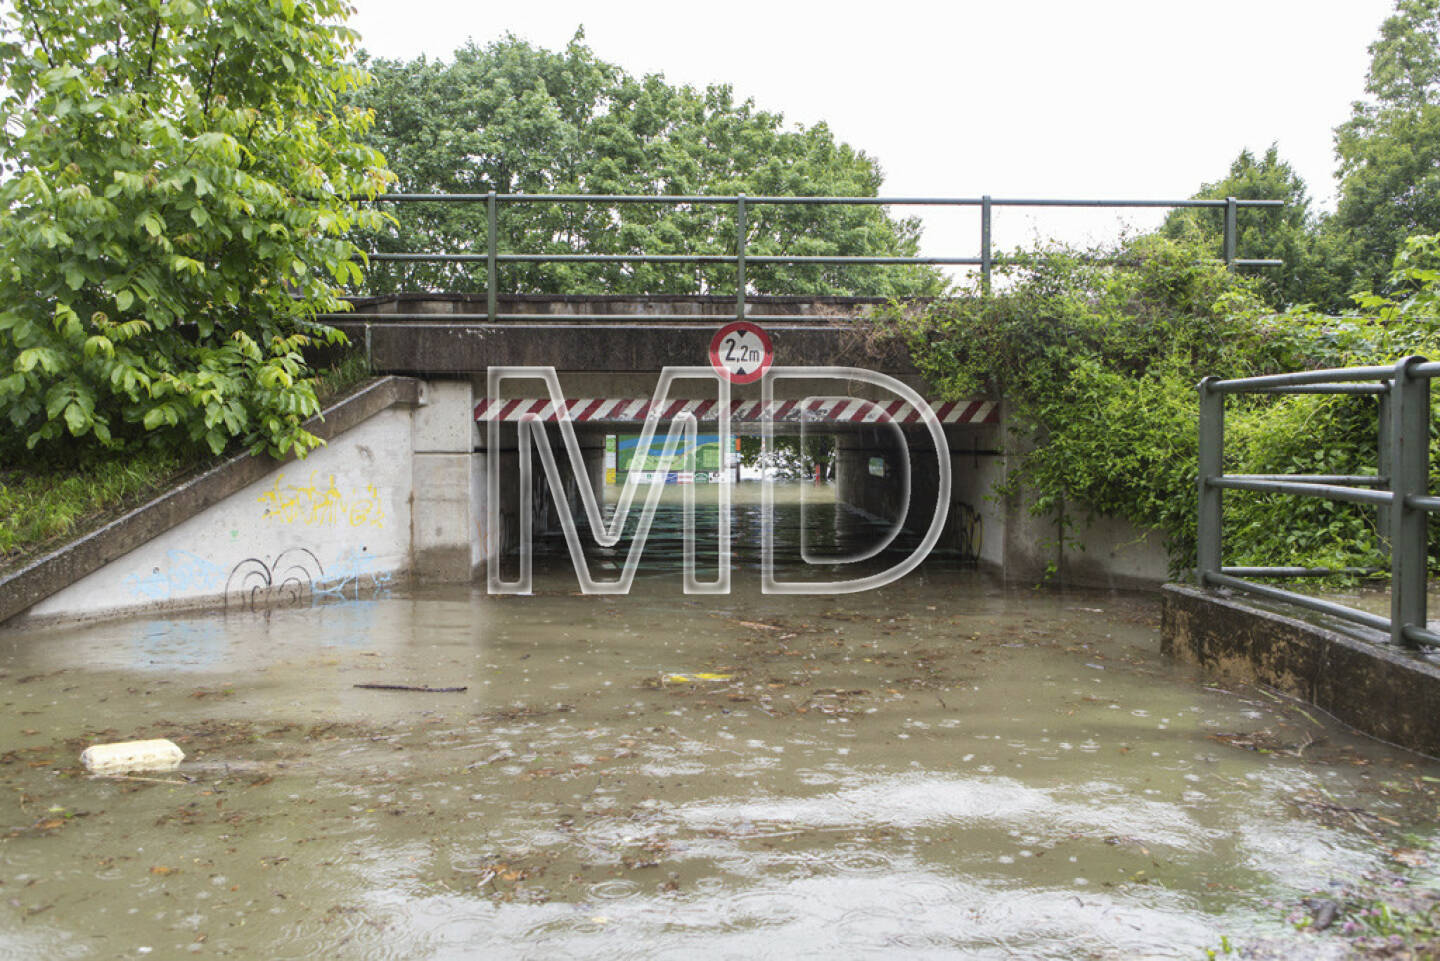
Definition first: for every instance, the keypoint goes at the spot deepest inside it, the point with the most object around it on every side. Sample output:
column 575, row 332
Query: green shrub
column 182, row 186
column 1099, row 364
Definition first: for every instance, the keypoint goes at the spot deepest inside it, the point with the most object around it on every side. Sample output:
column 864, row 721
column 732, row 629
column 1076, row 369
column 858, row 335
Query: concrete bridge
column 399, row 489
column 609, row 349
column 608, row 370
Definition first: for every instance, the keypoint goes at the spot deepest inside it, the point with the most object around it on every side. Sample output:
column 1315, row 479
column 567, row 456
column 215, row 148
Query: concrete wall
column 975, row 524
column 856, row 485
column 1025, row 547
column 973, row 504
column 1096, row 551
column 397, row 491
column 337, row 525
column 1387, row 693
column 444, row 486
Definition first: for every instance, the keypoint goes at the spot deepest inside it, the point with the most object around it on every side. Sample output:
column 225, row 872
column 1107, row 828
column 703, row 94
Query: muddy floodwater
column 941, row 768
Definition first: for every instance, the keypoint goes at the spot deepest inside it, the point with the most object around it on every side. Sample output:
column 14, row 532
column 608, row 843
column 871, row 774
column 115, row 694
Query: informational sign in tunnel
column 698, row 461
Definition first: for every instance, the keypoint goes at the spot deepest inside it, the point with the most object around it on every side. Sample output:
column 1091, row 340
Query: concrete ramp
column 251, row 531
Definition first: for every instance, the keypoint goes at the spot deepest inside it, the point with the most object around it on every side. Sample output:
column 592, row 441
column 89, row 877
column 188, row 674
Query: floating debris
column 408, row 687
column 127, row 756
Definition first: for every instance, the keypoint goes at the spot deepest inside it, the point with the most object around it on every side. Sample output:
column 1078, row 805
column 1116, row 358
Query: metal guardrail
column 493, row 259
column 1399, row 489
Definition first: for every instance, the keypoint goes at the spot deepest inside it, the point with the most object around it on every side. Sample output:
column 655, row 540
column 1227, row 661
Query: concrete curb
column 40, row 577
column 1385, row 693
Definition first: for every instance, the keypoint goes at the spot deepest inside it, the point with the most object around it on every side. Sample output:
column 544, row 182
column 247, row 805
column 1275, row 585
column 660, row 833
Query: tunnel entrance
column 830, row 506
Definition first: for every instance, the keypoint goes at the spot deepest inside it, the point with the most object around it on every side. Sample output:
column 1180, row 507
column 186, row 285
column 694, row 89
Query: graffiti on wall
column 183, row 573
column 352, row 576
column 288, row 580
column 296, row 578
column 969, row 529
column 321, row 502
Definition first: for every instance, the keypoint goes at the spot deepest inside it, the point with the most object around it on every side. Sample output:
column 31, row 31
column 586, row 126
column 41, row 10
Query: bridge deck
column 698, row 309
column 439, row 335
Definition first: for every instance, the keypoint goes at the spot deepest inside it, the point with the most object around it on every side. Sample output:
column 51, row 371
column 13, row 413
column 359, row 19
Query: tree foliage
column 512, row 118
column 1389, row 149
column 1388, row 154
column 1289, row 233
column 180, row 202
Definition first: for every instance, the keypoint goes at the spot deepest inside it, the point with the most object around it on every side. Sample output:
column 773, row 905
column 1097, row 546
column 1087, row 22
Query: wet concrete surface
column 941, row 768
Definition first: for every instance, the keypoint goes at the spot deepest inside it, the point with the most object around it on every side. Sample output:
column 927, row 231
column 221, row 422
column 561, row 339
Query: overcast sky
column 1028, row 98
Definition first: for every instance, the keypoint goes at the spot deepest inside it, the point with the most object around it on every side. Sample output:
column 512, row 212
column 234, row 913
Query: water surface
column 942, row 768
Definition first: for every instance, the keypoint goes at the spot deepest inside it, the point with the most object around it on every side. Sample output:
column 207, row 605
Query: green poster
column 703, row 455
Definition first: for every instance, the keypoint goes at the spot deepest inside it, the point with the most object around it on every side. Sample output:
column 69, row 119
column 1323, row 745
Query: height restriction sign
column 741, row 352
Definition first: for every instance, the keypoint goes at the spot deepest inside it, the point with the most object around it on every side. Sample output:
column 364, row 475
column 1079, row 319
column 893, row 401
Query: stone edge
column 1387, row 694
column 43, row 576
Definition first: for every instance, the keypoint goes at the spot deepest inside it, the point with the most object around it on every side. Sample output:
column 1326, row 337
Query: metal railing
column 1399, row 489
column 493, row 259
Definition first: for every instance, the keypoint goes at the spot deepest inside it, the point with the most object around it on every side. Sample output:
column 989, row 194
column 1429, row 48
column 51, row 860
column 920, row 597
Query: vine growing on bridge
column 1099, row 364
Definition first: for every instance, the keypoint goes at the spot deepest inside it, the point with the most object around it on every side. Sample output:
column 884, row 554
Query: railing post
column 1385, row 467
column 491, row 232
column 1230, row 232
column 1211, row 463
column 985, row 260
column 1410, row 470
column 740, row 257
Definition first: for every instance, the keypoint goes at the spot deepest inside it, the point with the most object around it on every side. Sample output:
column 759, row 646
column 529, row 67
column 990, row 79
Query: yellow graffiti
column 322, row 504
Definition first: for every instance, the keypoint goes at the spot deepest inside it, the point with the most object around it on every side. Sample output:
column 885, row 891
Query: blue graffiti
column 294, row 577
column 183, row 574
column 350, row 574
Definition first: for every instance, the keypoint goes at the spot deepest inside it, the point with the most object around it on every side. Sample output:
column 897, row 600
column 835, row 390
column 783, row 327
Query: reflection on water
column 941, row 767
column 806, row 519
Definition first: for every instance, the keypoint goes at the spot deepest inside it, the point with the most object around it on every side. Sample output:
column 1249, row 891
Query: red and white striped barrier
column 636, row 410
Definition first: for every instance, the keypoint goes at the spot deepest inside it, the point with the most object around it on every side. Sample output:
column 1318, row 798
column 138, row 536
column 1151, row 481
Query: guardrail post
column 740, row 257
column 1410, row 469
column 1230, row 207
column 1385, row 467
column 491, row 232
column 1211, row 463
column 985, row 260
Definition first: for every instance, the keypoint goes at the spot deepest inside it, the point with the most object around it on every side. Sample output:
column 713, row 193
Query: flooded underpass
column 944, row 767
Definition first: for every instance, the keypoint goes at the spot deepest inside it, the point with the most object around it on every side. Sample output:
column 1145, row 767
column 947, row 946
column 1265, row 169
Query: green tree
column 1286, row 233
column 180, row 201
column 1389, row 149
column 513, row 118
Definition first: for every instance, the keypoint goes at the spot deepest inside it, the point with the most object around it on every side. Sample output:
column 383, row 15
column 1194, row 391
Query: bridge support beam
column 446, row 510
column 545, row 512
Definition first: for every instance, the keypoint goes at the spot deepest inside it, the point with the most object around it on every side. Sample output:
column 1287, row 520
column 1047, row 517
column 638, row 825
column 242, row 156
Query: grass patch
column 348, row 370
column 41, row 502
column 46, row 500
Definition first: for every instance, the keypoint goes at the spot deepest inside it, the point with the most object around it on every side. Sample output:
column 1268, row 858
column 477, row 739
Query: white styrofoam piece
column 122, row 756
